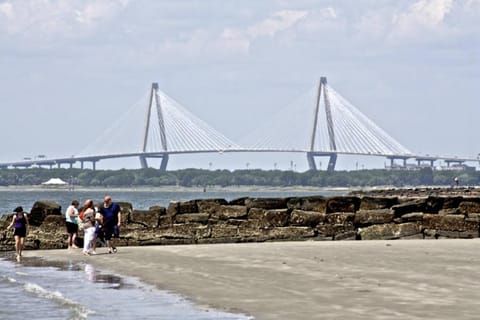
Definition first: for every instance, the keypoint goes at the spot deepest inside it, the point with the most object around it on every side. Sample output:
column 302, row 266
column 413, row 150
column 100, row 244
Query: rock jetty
column 424, row 213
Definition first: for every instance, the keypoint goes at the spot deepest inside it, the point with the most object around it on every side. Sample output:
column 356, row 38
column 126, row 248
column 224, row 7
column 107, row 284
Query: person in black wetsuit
column 20, row 223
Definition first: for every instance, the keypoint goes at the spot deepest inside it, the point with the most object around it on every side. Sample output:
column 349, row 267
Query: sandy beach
column 408, row 279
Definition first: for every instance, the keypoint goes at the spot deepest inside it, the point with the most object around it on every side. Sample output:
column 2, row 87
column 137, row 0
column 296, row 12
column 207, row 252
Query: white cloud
column 6, row 9
column 279, row 21
column 52, row 18
column 239, row 40
column 97, row 11
column 422, row 16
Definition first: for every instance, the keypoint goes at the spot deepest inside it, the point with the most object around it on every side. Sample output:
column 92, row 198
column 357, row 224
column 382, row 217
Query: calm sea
column 34, row 289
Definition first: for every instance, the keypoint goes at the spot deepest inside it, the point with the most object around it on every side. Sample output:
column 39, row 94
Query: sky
column 70, row 68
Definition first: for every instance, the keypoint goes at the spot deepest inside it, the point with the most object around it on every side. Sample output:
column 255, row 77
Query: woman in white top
column 71, row 216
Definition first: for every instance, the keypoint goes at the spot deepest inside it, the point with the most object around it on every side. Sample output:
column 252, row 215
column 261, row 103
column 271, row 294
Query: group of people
column 101, row 222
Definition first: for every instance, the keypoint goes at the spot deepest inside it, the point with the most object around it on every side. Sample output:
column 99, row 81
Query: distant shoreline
column 176, row 188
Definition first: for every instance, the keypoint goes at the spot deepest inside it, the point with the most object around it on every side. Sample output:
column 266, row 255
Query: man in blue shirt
column 112, row 218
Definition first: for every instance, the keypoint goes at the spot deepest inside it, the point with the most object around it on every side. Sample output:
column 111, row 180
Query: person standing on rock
column 112, row 215
column 20, row 223
column 71, row 216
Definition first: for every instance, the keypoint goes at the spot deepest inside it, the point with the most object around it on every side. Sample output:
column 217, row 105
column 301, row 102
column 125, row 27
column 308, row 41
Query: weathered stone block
column 255, row 213
column 230, row 212
column 314, row 203
column 389, row 231
column 181, row 207
column 473, row 217
column 374, row 216
column 187, row 207
column 275, row 218
column 238, row 202
column 411, row 217
column 266, row 203
column 449, row 223
column 375, row 203
column 192, row 217
column 247, row 231
column 210, row 205
column 306, row 218
column 451, row 202
column 443, row 212
column 53, row 224
column 146, row 218
column 456, row 234
column 417, row 205
column 224, row 231
column 343, row 204
column 339, row 218
column 165, row 221
column 466, row 207
column 289, row 233
column 41, row 209
column 161, row 210
column 330, row 230
column 349, row 235
column 172, row 208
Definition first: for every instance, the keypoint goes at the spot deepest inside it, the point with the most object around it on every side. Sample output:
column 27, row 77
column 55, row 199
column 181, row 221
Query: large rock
column 416, row 205
column 306, row 218
column 375, row 203
column 210, row 205
column 230, row 212
column 343, row 204
column 374, row 216
column 41, row 209
column 145, row 218
column 389, row 231
column 469, row 206
column 313, row 203
column 266, row 203
column 52, row 234
column 449, row 222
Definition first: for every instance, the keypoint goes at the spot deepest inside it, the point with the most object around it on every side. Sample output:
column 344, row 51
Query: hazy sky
column 69, row 67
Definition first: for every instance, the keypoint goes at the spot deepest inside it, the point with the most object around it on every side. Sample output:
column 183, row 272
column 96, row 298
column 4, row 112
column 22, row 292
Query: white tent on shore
column 54, row 182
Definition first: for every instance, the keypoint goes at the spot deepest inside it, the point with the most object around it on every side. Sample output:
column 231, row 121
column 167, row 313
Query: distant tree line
column 275, row 178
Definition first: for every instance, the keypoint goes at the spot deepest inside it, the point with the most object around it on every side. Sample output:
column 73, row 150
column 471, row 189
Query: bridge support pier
column 143, row 162
column 393, row 165
column 163, row 164
column 331, row 162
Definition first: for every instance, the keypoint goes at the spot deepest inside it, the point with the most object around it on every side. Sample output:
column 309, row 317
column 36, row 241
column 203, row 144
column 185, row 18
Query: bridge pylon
column 154, row 100
column 330, row 129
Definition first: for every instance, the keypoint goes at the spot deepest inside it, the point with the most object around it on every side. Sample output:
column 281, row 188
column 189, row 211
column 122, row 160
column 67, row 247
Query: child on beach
column 20, row 221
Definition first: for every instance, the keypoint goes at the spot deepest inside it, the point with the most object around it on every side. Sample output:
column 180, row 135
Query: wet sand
column 401, row 279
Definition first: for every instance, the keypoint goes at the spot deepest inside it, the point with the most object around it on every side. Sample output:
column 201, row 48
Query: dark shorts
column 21, row 232
column 72, row 227
column 111, row 231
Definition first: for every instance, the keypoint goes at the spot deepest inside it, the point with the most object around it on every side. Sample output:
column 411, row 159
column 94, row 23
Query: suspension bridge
column 321, row 123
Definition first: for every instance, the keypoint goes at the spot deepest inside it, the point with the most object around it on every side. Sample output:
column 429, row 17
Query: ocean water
column 35, row 289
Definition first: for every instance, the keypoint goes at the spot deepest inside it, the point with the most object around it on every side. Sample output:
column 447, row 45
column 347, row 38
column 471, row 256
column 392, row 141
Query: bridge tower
column 331, row 132
column 154, row 100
